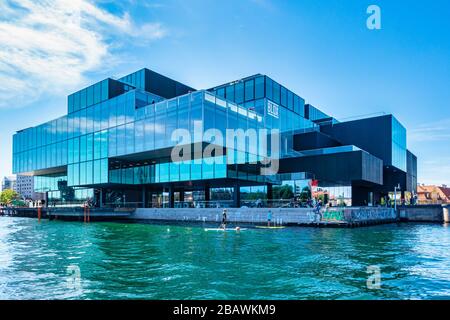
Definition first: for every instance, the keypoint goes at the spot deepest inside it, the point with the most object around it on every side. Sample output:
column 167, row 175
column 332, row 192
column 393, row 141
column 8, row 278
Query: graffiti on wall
column 334, row 215
column 358, row 214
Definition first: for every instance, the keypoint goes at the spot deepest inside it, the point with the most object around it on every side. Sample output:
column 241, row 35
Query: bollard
column 446, row 214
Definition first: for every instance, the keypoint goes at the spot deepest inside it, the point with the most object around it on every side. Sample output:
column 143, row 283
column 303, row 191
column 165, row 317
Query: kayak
column 265, row 227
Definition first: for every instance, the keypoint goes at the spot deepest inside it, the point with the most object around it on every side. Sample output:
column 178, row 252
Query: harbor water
column 115, row 260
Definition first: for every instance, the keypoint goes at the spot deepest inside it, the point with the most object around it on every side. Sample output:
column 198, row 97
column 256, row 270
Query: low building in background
column 25, row 188
column 9, row 182
column 430, row 194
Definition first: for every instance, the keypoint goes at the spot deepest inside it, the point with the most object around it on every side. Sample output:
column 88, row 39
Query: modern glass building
column 114, row 146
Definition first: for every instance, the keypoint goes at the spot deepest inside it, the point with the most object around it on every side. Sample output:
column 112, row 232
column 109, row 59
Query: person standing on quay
column 224, row 219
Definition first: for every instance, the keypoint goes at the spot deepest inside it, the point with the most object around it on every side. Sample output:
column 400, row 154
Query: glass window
column 129, row 138
column 301, row 104
column 196, row 169
column 296, row 104
column 249, row 90
column 97, row 92
column 220, row 167
column 139, row 136
column 185, row 171
column 104, row 90
column 112, row 113
column 283, row 97
column 207, row 169
column 83, row 173
column 171, row 121
column 290, row 100
column 97, row 171
column 97, row 117
column 276, row 92
column 183, row 112
column 121, row 102
column 83, row 154
column 70, row 150
column 89, row 172
column 70, row 128
column 70, row 103
column 90, row 147
column 269, row 88
column 160, row 122
column 76, row 150
column 121, row 140
column 195, row 119
column 89, row 119
column 90, row 96
column 230, row 93
column 83, row 122
column 76, row 174
column 104, row 144
column 104, row 171
column 174, row 171
column 104, row 115
column 259, row 88
column 112, row 142
column 83, row 99
column 239, row 94
column 76, row 101
column 69, row 176
column 149, row 134
column 97, row 145
column 221, row 92
column 52, row 133
column 64, row 135
column 164, row 172
column 129, row 111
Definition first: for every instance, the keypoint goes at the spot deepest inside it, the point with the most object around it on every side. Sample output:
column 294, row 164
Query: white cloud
column 48, row 46
column 431, row 131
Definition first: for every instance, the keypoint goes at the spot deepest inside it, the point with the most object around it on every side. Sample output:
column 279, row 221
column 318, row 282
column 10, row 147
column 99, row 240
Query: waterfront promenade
column 329, row 217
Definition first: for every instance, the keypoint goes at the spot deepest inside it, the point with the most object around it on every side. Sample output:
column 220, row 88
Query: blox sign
column 272, row 109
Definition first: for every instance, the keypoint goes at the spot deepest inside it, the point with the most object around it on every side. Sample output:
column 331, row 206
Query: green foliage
column 305, row 195
column 283, row 192
column 254, row 196
column 7, row 196
column 321, row 197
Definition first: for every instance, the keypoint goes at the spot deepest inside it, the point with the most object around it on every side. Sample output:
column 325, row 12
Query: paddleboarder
column 269, row 217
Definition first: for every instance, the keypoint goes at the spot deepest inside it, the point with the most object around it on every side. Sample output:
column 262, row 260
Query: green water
column 148, row 261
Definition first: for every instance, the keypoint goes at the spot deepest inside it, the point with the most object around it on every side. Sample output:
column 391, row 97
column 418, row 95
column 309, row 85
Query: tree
column 283, row 192
column 305, row 195
column 7, row 196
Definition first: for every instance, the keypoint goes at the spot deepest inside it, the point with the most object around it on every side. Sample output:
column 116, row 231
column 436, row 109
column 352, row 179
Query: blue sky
column 322, row 50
